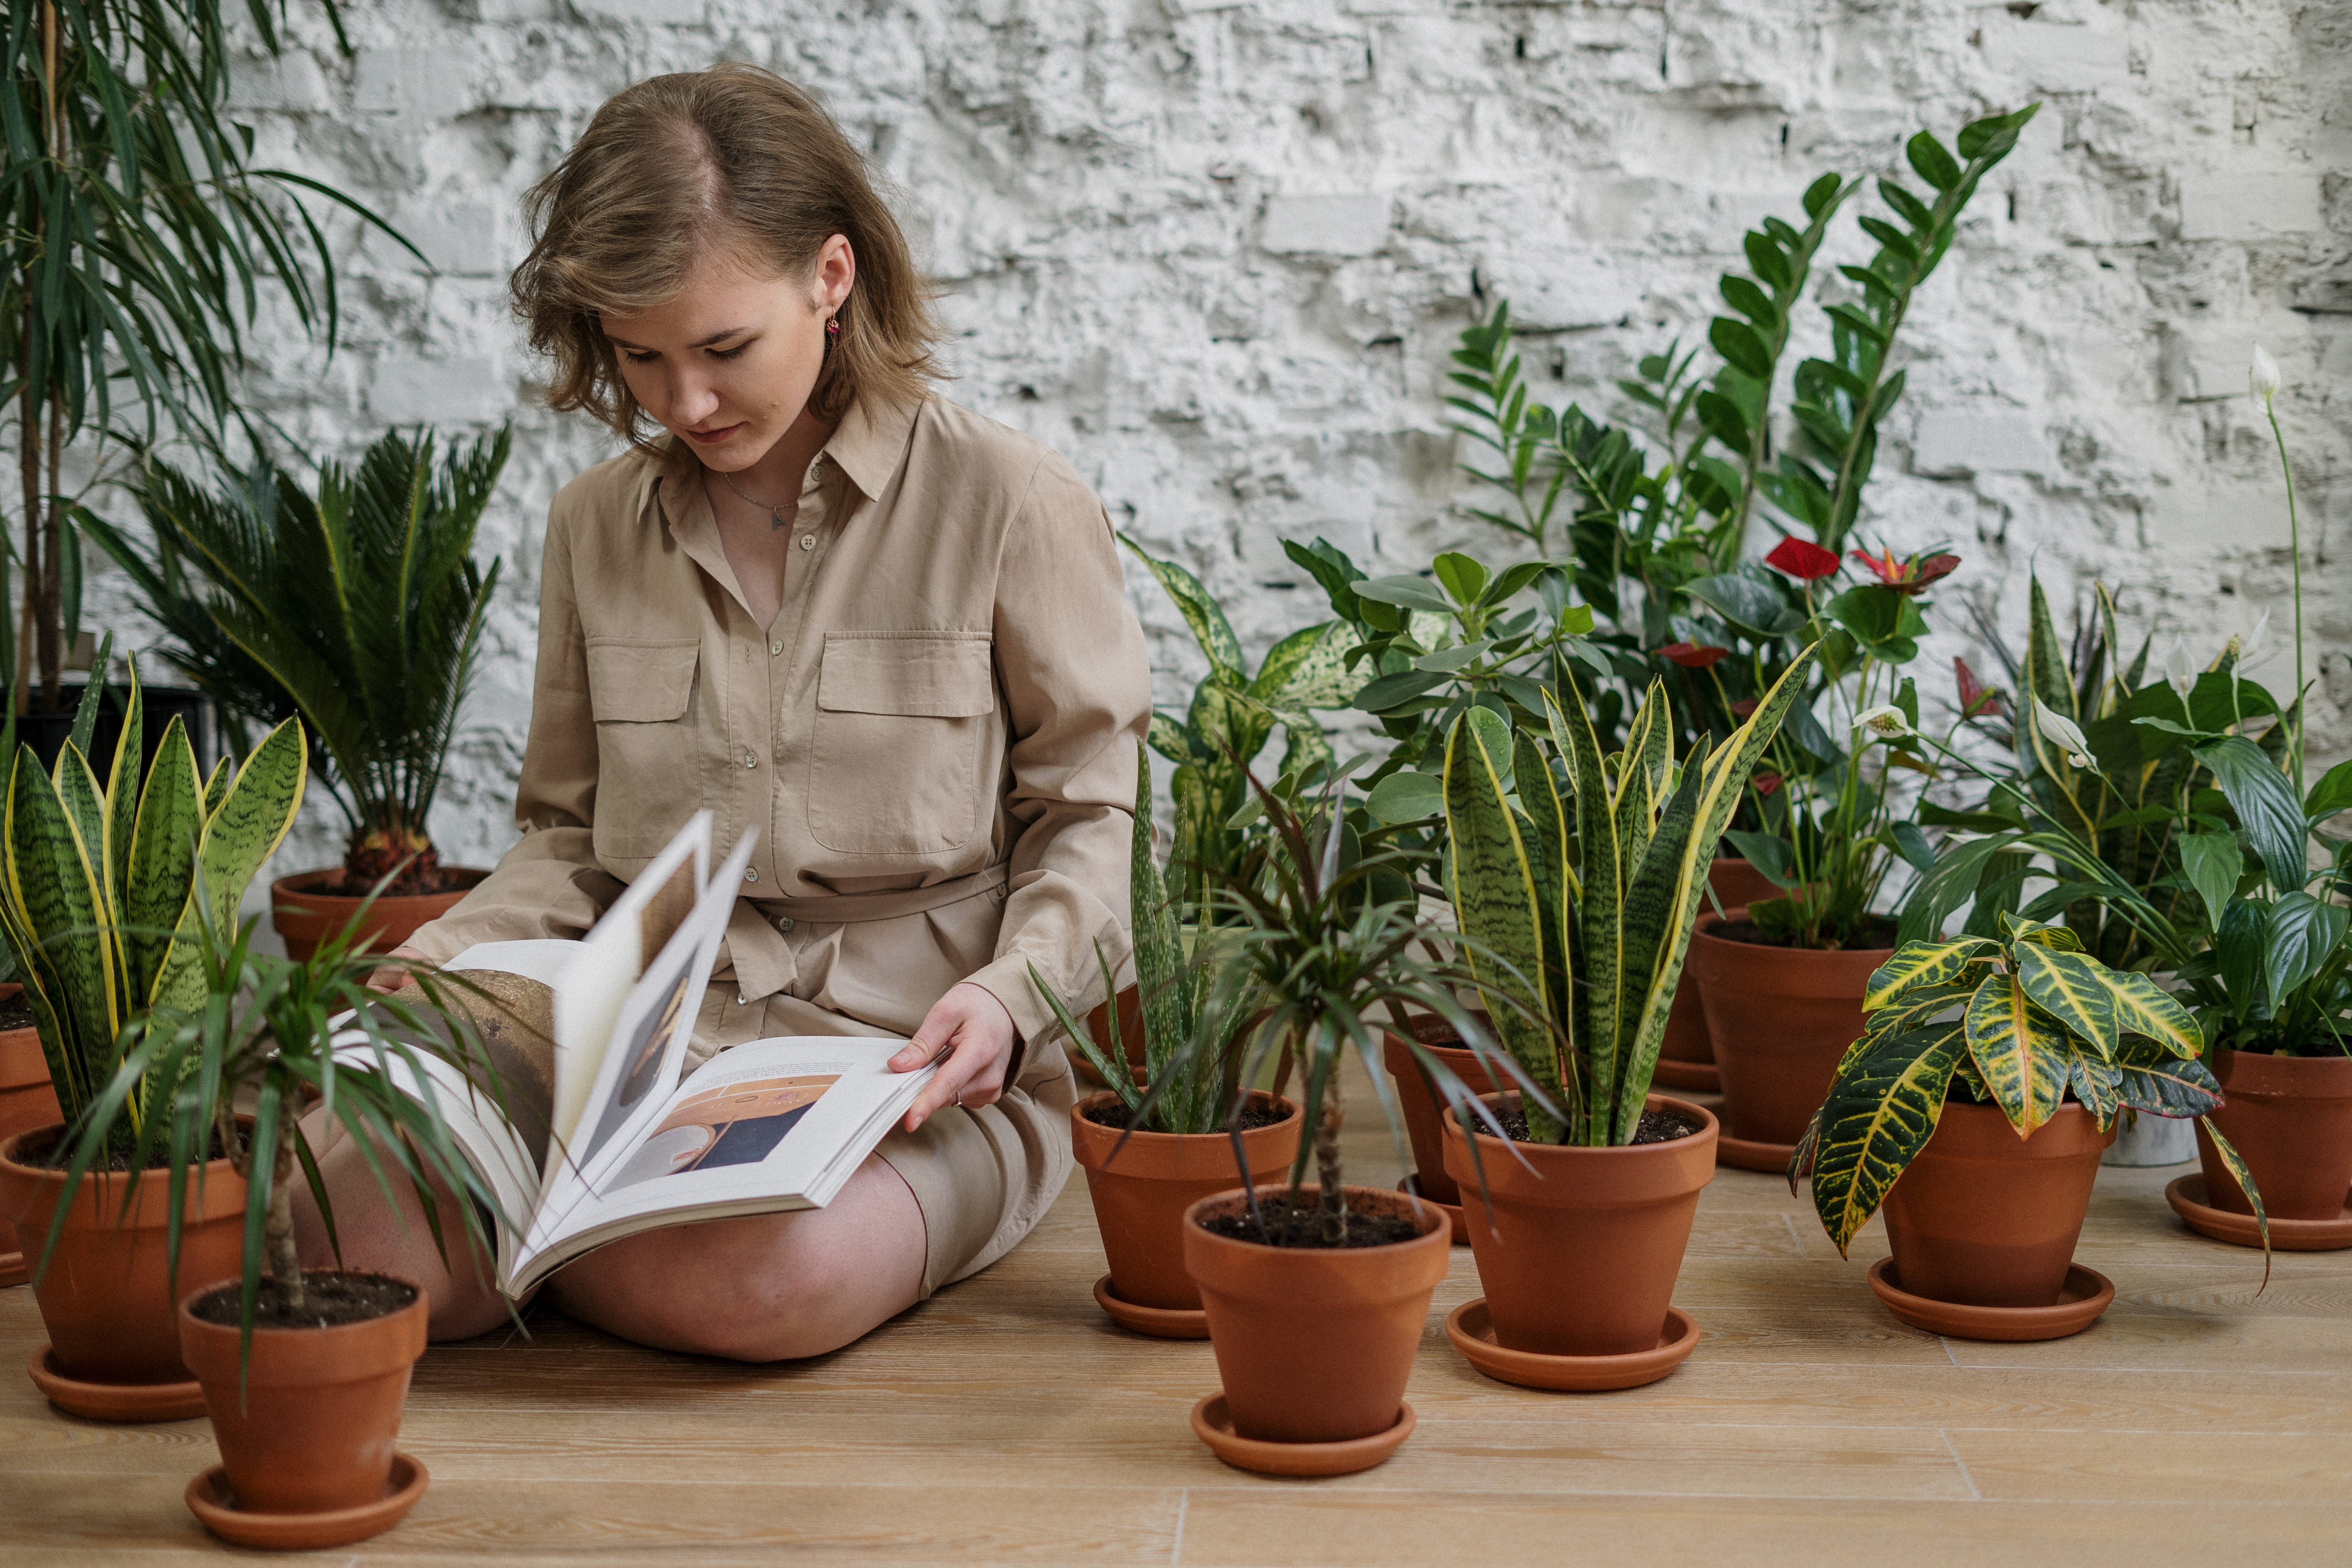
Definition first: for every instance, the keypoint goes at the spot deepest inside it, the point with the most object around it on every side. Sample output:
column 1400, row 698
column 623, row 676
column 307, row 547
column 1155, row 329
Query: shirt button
column 808, row 542
column 783, row 922
column 741, row 999
column 752, row 874
column 774, row 649
column 751, row 759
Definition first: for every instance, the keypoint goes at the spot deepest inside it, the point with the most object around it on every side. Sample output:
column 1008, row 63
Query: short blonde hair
column 675, row 168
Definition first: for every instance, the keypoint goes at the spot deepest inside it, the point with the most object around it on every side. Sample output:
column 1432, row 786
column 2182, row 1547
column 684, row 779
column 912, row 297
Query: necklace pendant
column 775, row 521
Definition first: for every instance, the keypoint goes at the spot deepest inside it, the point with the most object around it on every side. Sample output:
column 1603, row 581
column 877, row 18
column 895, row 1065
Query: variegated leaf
column 2019, row 928
column 251, row 822
column 1880, row 1113
column 2073, row 988
column 54, row 892
column 1201, row 612
column 1918, row 963
column 2245, row 1179
column 1598, row 998
column 2093, row 1083
column 2164, row 1085
column 1309, row 670
column 1172, row 741
column 2145, row 1008
column 161, row 861
column 2021, row 1054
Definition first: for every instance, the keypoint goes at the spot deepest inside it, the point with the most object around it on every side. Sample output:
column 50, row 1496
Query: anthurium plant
column 2023, row 1020
column 109, row 890
column 1576, row 880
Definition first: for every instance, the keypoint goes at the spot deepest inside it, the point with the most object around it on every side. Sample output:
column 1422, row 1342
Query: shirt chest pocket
column 639, row 693
column 895, row 764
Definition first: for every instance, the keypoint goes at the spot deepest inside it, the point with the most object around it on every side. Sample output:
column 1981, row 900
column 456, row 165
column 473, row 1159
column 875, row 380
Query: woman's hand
column 391, row 977
column 969, row 1035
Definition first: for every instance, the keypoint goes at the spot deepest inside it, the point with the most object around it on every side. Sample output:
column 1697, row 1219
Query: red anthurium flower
column 1906, row 577
column 1766, row 784
column 1745, row 708
column 1690, row 657
column 1976, row 696
column 1801, row 559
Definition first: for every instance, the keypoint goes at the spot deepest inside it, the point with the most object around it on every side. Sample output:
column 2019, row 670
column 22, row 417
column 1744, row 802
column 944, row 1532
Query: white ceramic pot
column 2152, row 1140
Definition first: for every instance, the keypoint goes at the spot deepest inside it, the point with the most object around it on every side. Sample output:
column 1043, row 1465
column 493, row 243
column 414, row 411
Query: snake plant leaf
column 160, row 864
column 1164, row 979
column 2078, row 991
column 1641, row 773
column 1651, row 955
column 1201, row 612
column 55, row 890
column 1598, row 998
column 2161, row 1085
column 216, row 787
column 1495, row 900
column 85, row 803
column 1879, row 1115
column 1547, row 842
column 2145, row 1008
column 123, row 793
column 2245, row 1179
column 2021, row 1055
column 1922, row 963
column 252, row 821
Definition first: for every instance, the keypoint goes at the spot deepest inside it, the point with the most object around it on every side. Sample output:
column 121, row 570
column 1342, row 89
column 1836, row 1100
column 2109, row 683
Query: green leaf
column 2021, row 1057
column 2145, row 1008
column 1738, row 343
column 163, row 857
column 2213, row 863
column 2245, row 1179
column 1918, row 963
column 1387, row 691
column 2331, row 794
column 1749, row 605
column 2162, row 1085
column 1882, row 1109
column 1406, row 796
column 1405, row 593
column 248, row 828
column 1309, row 670
column 1933, row 164
column 1463, row 576
column 2075, row 989
column 1201, row 612
column 1174, row 742
column 2269, row 813
column 2300, row 935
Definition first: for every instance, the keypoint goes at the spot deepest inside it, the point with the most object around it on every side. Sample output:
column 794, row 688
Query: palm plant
column 2021, row 1021
column 138, row 232
column 1320, row 948
column 1577, row 909
column 108, row 892
column 1186, row 1092
column 361, row 607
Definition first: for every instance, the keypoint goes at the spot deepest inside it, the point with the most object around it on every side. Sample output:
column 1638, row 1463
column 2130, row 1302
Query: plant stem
column 1327, row 1172
column 285, row 1263
column 2295, row 546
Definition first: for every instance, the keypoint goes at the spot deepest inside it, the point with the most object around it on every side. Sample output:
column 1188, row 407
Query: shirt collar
column 867, row 446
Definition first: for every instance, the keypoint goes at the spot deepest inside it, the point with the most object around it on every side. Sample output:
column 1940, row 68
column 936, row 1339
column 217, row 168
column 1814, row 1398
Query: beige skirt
column 982, row 1177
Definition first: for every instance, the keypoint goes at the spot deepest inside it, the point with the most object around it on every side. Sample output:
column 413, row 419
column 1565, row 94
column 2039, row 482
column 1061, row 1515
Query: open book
column 604, row 1134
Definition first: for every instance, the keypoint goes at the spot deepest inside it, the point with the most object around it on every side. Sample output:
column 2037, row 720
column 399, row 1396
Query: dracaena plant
column 1184, row 1091
column 361, row 607
column 108, row 889
column 1576, row 879
column 1232, row 716
column 2025, row 1021
column 1323, row 954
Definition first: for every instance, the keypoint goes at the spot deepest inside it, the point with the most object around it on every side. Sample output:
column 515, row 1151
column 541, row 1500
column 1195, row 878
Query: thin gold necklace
column 775, row 509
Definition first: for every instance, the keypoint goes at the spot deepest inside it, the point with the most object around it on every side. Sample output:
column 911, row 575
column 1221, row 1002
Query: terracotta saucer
column 13, row 1269
column 209, row 1500
column 1772, row 1159
column 1473, row 1333
column 114, row 1401
column 1159, row 1323
column 1699, row 1076
column 1452, row 1213
column 2085, row 1294
column 1215, row 1425
column 2187, row 1196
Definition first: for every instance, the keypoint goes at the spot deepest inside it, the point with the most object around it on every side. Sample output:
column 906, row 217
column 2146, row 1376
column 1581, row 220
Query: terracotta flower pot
column 1315, row 1344
column 1985, row 1218
column 2290, row 1119
column 108, row 1297
column 1417, row 1098
column 305, row 915
column 1578, row 1248
column 1780, row 1018
column 314, row 1429
column 26, row 1102
column 1686, row 1054
column 1142, row 1186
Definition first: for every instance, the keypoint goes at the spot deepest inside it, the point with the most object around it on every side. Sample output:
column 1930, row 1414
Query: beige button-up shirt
column 940, row 722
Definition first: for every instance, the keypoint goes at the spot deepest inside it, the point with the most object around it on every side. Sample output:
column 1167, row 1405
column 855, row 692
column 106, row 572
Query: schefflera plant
column 2020, row 1022
column 1576, row 908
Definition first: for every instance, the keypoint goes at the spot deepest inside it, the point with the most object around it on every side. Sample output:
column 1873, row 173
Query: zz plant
column 2020, row 1021
column 1577, row 880
column 108, row 891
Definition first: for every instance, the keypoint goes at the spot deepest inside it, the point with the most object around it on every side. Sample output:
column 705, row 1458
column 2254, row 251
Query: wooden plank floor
column 1006, row 1421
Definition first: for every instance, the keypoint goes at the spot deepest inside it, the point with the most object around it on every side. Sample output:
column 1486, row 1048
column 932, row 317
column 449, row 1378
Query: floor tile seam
column 2342, row 1505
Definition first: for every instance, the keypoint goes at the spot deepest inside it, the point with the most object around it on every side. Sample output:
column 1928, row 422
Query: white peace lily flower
column 2179, row 670
column 2264, row 376
column 2064, row 733
column 1885, row 720
column 2247, row 648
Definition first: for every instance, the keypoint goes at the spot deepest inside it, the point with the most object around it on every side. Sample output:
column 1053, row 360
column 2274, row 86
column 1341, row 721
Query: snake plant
column 104, row 886
column 1578, row 906
column 2020, row 1021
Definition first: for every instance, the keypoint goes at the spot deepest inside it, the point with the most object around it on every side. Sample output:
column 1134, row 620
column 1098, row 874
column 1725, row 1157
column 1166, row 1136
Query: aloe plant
column 361, row 607
column 1182, row 1092
column 1577, row 880
column 107, row 890
column 2020, row 1021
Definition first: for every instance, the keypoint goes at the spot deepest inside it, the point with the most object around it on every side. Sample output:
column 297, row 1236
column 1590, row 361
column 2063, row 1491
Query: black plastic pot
column 47, row 732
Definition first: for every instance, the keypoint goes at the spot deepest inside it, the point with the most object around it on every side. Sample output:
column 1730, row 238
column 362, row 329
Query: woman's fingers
column 969, row 1033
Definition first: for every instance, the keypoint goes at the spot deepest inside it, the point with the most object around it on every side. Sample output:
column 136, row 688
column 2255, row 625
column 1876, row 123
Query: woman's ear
column 835, row 270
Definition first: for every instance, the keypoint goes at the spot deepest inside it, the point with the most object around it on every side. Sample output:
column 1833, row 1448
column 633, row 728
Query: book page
column 772, row 1126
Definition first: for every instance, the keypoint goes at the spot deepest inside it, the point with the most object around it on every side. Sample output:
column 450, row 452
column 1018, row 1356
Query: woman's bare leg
column 765, row 1288
column 391, row 1237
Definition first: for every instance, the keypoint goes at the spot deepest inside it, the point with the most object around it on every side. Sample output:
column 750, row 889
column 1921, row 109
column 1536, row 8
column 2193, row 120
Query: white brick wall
column 1216, row 251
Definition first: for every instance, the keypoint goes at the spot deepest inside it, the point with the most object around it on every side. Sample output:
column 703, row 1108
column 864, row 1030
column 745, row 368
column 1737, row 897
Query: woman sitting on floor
column 827, row 603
